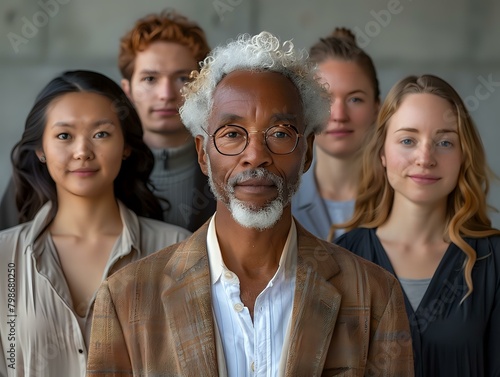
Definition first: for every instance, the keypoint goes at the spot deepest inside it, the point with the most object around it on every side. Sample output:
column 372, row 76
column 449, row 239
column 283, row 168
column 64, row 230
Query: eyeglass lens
column 232, row 140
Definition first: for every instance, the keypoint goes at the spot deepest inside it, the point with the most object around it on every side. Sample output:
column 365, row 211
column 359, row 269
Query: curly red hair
column 167, row 26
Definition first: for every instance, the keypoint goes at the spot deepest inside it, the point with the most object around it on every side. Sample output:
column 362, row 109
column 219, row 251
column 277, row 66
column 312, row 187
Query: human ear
column 126, row 87
column 382, row 158
column 309, row 152
column 126, row 152
column 41, row 156
column 202, row 156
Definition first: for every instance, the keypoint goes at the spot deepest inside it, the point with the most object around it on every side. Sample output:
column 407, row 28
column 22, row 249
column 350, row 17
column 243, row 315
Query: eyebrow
column 227, row 118
column 284, row 116
column 96, row 124
column 357, row 91
column 439, row 131
column 153, row 72
column 352, row 92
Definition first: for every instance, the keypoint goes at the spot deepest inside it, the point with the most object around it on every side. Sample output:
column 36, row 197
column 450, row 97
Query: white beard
column 248, row 217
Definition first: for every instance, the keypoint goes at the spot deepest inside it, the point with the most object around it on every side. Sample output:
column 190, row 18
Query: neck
column 249, row 251
column 337, row 179
column 156, row 140
column 87, row 216
column 415, row 223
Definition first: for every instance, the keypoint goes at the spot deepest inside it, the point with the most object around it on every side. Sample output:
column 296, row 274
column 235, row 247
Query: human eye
column 445, row 144
column 184, row 79
column 356, row 100
column 63, row 136
column 148, row 79
column 101, row 134
column 281, row 132
column 407, row 142
column 230, row 133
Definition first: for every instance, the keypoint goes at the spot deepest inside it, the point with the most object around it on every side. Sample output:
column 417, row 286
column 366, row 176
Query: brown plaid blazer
column 154, row 317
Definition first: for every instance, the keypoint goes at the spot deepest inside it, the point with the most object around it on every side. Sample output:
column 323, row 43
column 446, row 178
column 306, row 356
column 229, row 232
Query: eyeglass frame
column 247, row 138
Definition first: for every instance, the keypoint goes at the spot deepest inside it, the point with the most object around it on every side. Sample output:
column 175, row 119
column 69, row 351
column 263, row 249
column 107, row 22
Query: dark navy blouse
column 449, row 338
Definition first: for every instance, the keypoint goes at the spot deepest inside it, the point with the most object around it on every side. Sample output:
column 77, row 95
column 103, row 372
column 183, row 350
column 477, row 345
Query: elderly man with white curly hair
column 252, row 293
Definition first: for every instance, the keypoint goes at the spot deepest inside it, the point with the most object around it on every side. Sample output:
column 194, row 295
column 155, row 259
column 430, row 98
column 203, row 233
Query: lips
column 84, row 172
column 338, row 132
column 256, row 183
column 255, row 186
column 424, row 178
column 166, row 111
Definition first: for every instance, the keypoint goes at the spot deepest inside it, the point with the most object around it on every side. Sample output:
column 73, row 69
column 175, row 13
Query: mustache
column 259, row 173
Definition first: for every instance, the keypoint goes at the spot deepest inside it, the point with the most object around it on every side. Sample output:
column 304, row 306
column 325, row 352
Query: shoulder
column 167, row 264
column 307, row 191
column 13, row 237
column 145, row 273
column 487, row 248
column 157, row 227
column 353, row 263
column 356, row 238
column 342, row 267
column 150, row 234
column 14, row 246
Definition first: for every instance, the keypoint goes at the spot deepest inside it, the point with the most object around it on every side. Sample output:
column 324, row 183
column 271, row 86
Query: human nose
column 338, row 110
column 83, row 149
column 168, row 90
column 256, row 152
column 425, row 155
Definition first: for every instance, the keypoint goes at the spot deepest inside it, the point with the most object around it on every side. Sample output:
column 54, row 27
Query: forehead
column 424, row 111
column 252, row 95
column 80, row 106
column 344, row 75
column 165, row 57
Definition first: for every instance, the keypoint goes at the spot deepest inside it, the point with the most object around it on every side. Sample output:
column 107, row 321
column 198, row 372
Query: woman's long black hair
column 34, row 185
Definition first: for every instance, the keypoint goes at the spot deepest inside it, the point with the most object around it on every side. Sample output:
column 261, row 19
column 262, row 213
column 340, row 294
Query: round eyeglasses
column 232, row 140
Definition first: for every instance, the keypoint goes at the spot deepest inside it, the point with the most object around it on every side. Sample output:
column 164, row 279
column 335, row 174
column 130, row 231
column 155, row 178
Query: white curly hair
column 262, row 52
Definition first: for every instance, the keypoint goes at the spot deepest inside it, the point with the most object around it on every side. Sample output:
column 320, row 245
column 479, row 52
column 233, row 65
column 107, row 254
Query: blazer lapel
column 315, row 308
column 188, row 300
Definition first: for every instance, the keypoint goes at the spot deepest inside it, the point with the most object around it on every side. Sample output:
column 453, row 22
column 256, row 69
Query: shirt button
column 238, row 307
column 228, row 275
column 80, row 350
column 253, row 366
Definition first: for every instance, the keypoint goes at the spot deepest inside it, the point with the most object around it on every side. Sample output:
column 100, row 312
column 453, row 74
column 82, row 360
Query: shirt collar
column 216, row 263
column 129, row 238
column 175, row 158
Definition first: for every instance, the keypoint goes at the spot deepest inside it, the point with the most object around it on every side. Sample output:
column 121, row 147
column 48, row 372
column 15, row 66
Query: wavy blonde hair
column 466, row 211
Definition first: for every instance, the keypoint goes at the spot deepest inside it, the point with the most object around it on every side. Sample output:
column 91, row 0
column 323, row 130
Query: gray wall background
column 458, row 40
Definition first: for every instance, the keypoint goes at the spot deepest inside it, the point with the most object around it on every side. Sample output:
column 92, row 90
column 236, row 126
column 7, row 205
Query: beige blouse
column 40, row 334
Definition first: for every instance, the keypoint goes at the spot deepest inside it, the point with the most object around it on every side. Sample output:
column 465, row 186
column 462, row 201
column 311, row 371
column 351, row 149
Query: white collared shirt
column 253, row 348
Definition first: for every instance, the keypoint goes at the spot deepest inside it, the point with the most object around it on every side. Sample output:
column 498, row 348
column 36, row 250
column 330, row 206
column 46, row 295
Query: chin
column 259, row 219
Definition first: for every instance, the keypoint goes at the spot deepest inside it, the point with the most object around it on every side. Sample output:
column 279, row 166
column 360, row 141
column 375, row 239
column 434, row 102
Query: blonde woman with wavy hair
column 421, row 213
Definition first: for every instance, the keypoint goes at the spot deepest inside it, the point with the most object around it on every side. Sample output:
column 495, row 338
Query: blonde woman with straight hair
column 421, row 213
